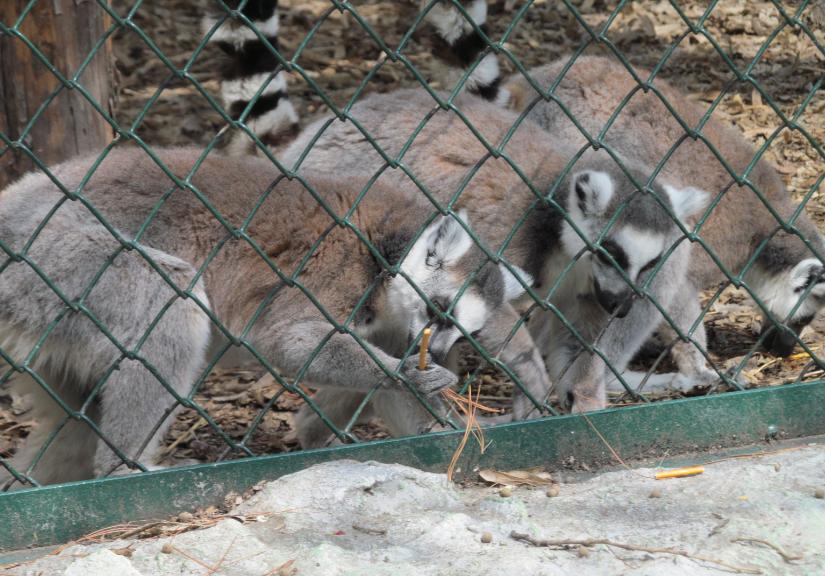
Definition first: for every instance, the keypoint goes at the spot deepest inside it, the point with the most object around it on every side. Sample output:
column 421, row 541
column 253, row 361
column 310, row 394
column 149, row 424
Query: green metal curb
column 39, row 517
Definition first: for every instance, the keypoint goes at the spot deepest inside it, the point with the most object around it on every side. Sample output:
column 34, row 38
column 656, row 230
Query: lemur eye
column 442, row 303
column 650, row 264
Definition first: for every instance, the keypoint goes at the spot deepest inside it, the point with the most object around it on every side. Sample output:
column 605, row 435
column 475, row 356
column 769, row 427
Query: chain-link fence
column 518, row 189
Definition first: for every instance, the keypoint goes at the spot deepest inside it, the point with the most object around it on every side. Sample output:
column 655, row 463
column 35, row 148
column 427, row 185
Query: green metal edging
column 53, row 514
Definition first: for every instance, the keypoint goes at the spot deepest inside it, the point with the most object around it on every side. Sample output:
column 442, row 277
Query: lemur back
column 251, row 66
column 445, row 155
column 645, row 130
column 143, row 339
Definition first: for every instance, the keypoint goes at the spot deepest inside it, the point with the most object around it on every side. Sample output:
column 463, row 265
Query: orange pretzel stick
column 680, row 472
column 422, row 351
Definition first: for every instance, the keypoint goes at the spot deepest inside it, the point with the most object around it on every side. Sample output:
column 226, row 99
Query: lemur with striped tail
column 250, row 63
column 618, row 237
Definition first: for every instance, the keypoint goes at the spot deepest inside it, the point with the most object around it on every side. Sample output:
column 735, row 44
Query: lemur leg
column 521, row 355
column 77, row 354
column 693, row 370
column 133, row 401
column 74, row 444
column 338, row 405
column 249, row 64
column 582, row 387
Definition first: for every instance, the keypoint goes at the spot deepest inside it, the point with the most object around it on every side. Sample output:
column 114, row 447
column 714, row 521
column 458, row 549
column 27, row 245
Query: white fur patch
column 245, row 88
column 237, row 35
column 512, row 287
column 686, row 202
column 274, row 121
column 778, row 291
column 598, row 190
column 485, row 73
column 451, row 24
column 641, row 246
column 471, row 311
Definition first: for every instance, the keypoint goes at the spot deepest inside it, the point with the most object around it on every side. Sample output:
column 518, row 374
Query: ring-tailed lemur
column 446, row 155
column 785, row 270
column 250, row 63
column 117, row 332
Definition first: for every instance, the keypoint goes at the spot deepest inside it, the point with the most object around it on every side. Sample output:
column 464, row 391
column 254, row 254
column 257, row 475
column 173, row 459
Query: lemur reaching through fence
column 125, row 328
column 448, row 158
column 250, row 63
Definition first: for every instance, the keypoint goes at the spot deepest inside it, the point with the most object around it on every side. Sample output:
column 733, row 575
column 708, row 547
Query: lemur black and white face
column 439, row 264
column 635, row 243
column 781, row 294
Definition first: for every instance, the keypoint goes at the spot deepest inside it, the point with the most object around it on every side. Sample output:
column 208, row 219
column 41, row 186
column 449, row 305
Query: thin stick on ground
column 567, row 543
column 785, row 556
column 612, row 451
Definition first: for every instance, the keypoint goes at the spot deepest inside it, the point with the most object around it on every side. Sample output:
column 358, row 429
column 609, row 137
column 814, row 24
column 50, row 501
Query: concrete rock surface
column 350, row 518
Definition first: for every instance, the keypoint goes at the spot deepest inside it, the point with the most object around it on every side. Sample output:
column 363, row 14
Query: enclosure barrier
column 44, row 515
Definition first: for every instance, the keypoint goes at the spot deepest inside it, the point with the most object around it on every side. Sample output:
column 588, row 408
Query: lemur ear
column 592, row 191
column 806, row 273
column 512, row 287
column 446, row 240
column 686, row 202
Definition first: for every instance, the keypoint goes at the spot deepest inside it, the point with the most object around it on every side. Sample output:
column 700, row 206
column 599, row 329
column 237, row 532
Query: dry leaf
column 529, row 477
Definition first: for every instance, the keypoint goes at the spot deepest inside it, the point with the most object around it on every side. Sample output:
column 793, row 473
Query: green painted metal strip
column 43, row 516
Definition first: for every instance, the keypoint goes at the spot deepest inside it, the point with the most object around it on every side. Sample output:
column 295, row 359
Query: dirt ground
column 341, row 54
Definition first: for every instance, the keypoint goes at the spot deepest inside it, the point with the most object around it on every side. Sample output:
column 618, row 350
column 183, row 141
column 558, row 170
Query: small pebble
column 777, row 466
column 486, row 537
column 819, row 493
column 655, row 493
column 583, row 552
column 506, row 492
column 167, row 548
column 553, row 491
column 186, row 517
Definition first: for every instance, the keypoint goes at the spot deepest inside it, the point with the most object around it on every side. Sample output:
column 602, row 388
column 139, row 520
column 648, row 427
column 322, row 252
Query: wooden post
column 65, row 31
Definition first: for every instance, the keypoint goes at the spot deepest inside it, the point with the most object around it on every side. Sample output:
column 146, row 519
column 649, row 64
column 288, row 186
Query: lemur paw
column 432, row 379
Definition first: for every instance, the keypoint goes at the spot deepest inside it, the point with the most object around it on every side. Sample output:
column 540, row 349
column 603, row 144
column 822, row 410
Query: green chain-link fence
column 790, row 18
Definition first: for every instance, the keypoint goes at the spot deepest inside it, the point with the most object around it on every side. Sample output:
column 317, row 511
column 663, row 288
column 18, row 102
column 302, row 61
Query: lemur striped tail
column 248, row 66
column 465, row 45
column 273, row 119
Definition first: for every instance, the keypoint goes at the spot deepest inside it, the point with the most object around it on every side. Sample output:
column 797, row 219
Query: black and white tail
column 273, row 118
column 465, row 45
column 249, row 65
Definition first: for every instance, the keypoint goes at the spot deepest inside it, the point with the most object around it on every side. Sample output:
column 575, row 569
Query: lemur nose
column 611, row 302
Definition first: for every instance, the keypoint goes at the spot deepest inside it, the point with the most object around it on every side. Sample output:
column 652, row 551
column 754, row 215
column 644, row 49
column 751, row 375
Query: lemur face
column 793, row 298
column 634, row 241
column 439, row 265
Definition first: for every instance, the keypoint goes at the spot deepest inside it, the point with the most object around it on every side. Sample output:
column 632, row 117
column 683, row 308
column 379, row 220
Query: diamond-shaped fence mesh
column 655, row 171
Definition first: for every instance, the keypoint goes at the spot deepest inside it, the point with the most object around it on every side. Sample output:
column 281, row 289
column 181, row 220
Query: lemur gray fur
column 155, row 330
column 446, row 152
column 787, row 276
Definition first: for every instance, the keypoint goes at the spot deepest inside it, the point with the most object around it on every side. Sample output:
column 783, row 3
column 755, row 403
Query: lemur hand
column 430, row 380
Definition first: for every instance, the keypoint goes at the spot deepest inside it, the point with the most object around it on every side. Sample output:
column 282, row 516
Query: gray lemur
column 784, row 271
column 103, row 336
column 445, row 155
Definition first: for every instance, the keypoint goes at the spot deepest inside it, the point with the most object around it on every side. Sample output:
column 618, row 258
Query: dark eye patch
column 651, row 264
column 616, row 251
column 442, row 303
